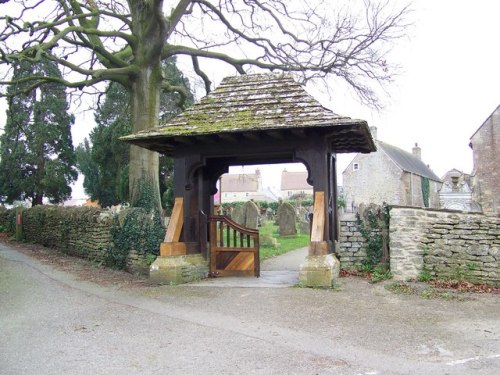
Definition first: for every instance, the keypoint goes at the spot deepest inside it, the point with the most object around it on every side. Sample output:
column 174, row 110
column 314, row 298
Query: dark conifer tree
column 37, row 155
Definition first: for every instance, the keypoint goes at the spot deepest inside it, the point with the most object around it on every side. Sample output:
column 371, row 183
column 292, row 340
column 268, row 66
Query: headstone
column 251, row 215
column 238, row 215
column 287, row 219
column 302, row 213
column 304, row 227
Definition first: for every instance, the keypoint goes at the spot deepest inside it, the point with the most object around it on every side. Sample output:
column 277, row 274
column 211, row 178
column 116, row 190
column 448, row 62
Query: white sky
column 449, row 84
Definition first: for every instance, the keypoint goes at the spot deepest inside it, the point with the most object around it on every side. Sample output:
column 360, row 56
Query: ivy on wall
column 373, row 224
column 424, row 181
column 140, row 230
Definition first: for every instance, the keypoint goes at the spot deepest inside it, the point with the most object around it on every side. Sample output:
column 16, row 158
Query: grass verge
column 284, row 243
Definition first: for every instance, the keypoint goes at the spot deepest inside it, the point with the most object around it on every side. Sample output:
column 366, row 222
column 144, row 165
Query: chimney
column 417, row 151
column 373, row 130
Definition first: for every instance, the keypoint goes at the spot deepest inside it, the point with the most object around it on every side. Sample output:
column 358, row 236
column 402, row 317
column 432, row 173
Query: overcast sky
column 449, row 84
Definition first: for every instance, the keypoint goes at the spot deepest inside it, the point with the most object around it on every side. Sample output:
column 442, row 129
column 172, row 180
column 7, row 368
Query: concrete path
column 53, row 322
column 278, row 272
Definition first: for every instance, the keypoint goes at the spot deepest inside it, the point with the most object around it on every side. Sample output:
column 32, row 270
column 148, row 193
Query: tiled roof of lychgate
column 257, row 102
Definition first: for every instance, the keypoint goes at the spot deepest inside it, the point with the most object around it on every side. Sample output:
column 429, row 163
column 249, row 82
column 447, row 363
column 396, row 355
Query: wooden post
column 318, row 244
column 176, row 221
column 171, row 244
column 19, row 224
column 318, row 223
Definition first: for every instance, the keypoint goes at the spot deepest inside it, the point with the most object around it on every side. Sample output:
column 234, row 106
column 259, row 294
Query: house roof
column 496, row 111
column 294, row 181
column 256, row 103
column 244, row 182
column 407, row 161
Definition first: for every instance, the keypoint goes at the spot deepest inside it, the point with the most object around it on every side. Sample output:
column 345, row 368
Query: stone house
column 456, row 192
column 485, row 144
column 241, row 187
column 294, row 183
column 390, row 175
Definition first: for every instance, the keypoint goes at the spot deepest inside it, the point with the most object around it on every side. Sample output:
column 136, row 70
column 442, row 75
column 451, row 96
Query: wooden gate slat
column 234, row 249
column 242, row 261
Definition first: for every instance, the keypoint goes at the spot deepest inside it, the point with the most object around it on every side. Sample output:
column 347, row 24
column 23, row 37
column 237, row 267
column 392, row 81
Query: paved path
column 51, row 322
column 277, row 272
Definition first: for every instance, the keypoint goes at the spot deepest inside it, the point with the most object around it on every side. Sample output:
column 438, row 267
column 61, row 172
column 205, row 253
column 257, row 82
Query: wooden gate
column 234, row 249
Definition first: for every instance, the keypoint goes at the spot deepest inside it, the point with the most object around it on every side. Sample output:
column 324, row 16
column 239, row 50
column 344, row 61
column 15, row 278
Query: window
column 355, row 166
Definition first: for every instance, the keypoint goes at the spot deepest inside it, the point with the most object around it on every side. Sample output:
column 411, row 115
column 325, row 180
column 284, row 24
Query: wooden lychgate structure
column 251, row 119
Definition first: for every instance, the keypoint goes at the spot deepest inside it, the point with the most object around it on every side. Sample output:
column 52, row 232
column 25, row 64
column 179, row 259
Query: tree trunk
column 148, row 23
column 144, row 184
column 37, row 200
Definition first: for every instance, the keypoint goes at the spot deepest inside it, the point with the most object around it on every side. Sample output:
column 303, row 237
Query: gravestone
column 251, row 215
column 238, row 215
column 304, row 227
column 303, row 220
column 302, row 214
column 287, row 219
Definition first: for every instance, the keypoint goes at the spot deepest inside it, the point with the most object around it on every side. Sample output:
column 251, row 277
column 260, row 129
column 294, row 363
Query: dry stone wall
column 445, row 244
column 85, row 232
column 80, row 231
column 352, row 245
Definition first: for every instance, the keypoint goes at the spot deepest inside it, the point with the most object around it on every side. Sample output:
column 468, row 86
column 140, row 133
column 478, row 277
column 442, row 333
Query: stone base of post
column 319, row 271
column 178, row 269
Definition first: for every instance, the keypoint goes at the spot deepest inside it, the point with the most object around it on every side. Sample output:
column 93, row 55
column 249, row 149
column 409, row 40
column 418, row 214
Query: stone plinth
column 319, row 271
column 178, row 269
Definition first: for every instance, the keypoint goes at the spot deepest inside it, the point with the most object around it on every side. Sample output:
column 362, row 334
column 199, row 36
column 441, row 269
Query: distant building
column 294, row 183
column 456, row 192
column 485, row 144
column 390, row 175
column 242, row 187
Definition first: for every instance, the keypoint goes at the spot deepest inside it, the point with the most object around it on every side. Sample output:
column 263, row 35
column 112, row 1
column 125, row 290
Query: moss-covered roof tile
column 249, row 102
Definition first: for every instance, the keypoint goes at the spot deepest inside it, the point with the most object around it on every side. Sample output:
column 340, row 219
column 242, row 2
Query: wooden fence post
column 19, row 224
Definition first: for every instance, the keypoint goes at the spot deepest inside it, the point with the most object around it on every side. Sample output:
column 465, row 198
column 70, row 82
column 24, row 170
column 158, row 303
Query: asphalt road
column 52, row 322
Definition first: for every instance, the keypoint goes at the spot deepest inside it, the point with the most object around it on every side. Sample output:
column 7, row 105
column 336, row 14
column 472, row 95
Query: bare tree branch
column 124, row 41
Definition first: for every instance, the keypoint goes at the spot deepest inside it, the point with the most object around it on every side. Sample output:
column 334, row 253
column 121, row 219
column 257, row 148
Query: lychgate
column 250, row 119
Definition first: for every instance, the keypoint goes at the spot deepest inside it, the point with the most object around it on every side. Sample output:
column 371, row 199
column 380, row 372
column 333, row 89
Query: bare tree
column 124, row 41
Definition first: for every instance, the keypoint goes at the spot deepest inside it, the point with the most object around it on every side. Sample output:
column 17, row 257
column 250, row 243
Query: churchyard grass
column 285, row 243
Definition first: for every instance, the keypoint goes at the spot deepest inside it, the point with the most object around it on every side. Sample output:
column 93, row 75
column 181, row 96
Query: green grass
column 286, row 244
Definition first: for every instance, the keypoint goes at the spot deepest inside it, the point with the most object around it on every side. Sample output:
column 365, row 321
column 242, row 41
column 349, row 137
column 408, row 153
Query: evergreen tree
column 37, row 155
column 104, row 159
